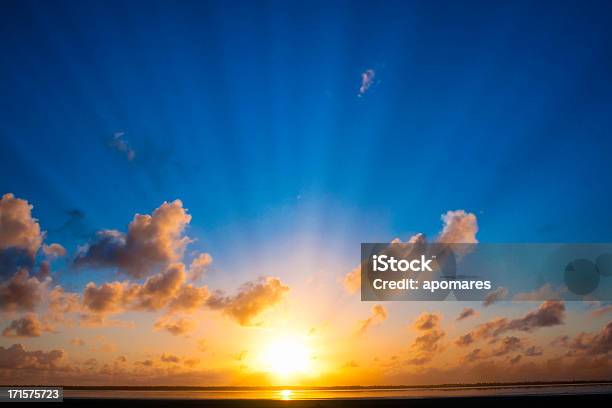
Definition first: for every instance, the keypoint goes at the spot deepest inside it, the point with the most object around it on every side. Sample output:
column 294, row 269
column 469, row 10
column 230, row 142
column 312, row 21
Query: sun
column 286, row 356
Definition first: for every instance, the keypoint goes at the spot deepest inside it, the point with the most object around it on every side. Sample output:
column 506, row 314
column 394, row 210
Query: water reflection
column 285, row 394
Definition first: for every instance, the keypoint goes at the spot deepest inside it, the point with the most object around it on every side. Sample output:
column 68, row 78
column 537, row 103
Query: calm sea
column 301, row 394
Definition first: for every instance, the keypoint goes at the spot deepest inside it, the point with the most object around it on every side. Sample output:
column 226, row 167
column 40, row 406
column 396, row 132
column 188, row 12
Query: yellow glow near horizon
column 286, row 395
column 286, row 356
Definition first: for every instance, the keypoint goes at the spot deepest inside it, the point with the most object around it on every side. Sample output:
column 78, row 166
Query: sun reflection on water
column 285, row 394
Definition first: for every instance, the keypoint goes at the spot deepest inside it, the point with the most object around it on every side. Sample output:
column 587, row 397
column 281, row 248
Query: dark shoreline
column 592, row 400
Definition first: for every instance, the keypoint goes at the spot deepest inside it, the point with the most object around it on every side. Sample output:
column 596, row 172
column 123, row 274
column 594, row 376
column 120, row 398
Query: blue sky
column 249, row 114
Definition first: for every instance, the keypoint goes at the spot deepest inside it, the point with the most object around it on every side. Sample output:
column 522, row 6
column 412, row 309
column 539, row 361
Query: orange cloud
column 460, row 227
column 152, row 241
column 21, row 292
column 176, row 327
column 379, row 315
column 593, row 344
column 465, row 313
column 352, row 280
column 495, row 296
column 110, row 297
column 424, row 347
column 16, row 356
column 157, row 290
column 199, row 265
column 189, row 298
column 27, row 326
column 17, row 227
column 252, row 299
column 54, row 250
column 427, row 321
column 602, row 311
column 165, row 289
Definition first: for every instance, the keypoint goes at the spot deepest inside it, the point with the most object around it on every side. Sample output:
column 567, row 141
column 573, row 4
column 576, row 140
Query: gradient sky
column 250, row 113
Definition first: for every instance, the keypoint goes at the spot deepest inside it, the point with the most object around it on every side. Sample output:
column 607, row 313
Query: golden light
column 285, row 395
column 286, row 356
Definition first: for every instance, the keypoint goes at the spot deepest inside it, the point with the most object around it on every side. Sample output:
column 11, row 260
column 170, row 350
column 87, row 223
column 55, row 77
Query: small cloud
column 465, row 340
column 202, row 345
column 495, row 296
column 602, row 311
column 379, row 315
column 460, row 227
column 54, row 251
column 170, row 358
column 508, row 345
column 548, row 314
column 77, row 342
column 465, row 313
column 427, row 321
column 121, row 145
column 367, row 80
column 473, row 355
column 545, row 292
column 176, row 327
column 351, row 364
column 593, row 344
column 534, row 351
column 199, row 266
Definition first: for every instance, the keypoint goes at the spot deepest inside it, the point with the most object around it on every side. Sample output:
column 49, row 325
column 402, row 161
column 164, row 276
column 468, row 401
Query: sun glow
column 287, row 356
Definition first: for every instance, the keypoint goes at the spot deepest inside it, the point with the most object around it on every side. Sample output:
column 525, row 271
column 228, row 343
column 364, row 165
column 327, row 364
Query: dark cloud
column 21, row 292
column 549, row 313
column 473, row 355
column 508, row 345
column 427, row 321
column 465, row 340
column 515, row 359
column 465, row 313
column 593, row 344
column 17, row 357
column 495, row 296
column 170, row 358
column 534, row 351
